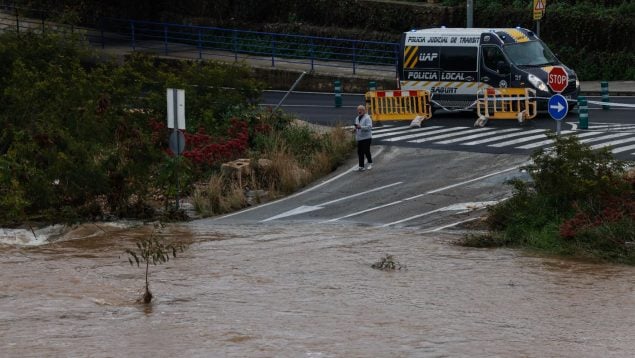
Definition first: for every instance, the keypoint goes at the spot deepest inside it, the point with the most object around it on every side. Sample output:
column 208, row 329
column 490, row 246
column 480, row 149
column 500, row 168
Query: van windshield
column 530, row 53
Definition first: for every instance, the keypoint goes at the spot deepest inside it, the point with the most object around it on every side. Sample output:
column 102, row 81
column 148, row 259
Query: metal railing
column 203, row 42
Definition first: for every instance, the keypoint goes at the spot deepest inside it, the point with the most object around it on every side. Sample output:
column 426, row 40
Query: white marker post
column 176, row 121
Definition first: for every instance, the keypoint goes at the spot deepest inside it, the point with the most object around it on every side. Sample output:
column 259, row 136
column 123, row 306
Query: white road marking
column 305, row 209
column 460, row 207
column 427, row 193
column 518, row 141
column 363, row 211
column 392, row 132
column 299, row 210
column 429, row 132
column 450, row 225
column 478, row 135
column 546, row 142
column 463, row 131
column 413, row 217
column 410, row 130
column 623, row 149
column 609, row 136
column 613, row 143
column 497, row 138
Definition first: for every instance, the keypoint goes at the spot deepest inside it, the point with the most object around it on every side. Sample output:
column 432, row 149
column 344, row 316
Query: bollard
column 604, row 85
column 583, row 113
column 372, row 86
column 338, row 93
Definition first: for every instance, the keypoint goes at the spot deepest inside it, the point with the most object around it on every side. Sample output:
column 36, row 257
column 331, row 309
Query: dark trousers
column 363, row 149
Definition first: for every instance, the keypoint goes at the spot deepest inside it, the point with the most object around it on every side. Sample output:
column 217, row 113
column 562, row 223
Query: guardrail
column 203, row 42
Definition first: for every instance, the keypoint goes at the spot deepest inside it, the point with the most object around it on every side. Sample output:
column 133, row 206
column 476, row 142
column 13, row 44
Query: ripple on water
column 309, row 290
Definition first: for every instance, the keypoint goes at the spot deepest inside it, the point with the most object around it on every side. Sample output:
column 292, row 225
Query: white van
column 454, row 63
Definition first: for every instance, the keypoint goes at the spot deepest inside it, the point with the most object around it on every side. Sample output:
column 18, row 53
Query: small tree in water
column 152, row 250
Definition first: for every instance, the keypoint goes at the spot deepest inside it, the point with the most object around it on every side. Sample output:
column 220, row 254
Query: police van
column 454, row 63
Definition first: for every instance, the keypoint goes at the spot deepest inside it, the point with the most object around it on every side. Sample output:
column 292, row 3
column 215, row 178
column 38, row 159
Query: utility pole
column 470, row 13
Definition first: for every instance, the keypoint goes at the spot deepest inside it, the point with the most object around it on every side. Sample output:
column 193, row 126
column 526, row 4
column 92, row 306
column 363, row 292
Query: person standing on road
column 363, row 136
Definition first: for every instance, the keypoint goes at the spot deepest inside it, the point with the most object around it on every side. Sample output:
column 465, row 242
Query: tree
column 152, row 250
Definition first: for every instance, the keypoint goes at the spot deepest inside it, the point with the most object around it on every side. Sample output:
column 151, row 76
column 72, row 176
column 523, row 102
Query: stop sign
column 558, row 79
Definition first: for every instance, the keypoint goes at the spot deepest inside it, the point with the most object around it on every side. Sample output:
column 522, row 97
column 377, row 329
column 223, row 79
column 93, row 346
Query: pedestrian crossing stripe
column 517, row 138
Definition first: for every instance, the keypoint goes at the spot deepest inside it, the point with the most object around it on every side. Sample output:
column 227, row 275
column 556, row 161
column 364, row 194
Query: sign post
column 176, row 121
column 539, row 12
column 558, row 105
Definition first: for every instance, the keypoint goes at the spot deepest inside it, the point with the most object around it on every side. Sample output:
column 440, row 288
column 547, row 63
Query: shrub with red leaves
column 611, row 210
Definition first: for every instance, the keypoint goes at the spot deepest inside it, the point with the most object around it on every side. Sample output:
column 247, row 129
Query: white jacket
column 366, row 127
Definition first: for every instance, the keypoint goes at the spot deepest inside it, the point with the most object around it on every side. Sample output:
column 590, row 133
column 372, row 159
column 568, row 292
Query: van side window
column 458, row 58
column 491, row 56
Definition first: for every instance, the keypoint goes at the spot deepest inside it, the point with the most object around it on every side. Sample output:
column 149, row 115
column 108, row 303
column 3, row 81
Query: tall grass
column 220, row 195
column 281, row 162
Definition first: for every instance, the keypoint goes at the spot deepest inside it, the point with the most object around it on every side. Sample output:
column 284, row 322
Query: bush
column 80, row 140
column 579, row 202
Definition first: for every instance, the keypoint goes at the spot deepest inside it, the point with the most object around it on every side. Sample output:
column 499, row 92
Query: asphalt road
column 319, row 108
column 431, row 178
column 614, row 128
column 427, row 189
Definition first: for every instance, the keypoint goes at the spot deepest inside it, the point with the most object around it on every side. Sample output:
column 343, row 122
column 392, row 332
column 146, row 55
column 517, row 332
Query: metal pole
column 178, row 140
column 470, row 13
column 538, row 28
column 290, row 90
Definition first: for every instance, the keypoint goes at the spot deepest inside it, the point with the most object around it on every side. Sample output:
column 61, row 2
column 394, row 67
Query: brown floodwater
column 308, row 290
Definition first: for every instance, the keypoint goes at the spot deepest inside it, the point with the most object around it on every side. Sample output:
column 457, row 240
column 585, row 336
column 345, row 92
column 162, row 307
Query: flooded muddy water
column 308, row 290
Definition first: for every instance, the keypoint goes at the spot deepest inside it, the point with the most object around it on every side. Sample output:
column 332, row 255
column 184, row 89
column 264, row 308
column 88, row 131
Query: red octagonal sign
column 558, row 79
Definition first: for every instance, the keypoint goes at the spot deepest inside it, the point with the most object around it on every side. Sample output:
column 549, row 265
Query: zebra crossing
column 620, row 139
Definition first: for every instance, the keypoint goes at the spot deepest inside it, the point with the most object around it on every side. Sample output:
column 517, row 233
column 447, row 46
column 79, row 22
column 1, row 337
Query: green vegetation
column 579, row 203
column 152, row 250
column 593, row 37
column 281, row 162
column 87, row 140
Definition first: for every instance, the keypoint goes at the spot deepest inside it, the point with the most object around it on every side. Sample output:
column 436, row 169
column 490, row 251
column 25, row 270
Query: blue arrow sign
column 558, row 107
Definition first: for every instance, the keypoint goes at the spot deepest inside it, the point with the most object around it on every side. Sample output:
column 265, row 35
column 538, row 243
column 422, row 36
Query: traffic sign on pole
column 176, row 108
column 558, row 79
column 539, row 9
column 558, row 107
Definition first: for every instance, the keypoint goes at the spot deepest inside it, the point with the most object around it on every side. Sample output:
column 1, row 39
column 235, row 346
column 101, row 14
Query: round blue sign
column 558, row 107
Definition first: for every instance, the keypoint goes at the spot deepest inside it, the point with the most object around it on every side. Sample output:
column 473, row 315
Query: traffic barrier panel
column 505, row 103
column 604, row 86
column 398, row 105
column 583, row 113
